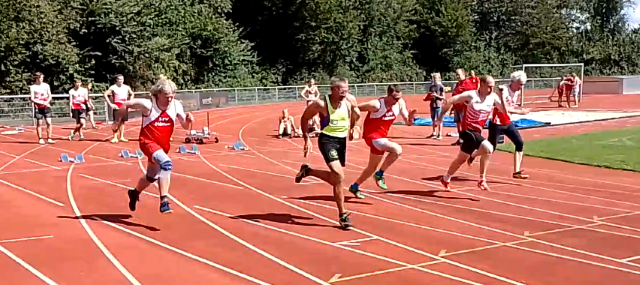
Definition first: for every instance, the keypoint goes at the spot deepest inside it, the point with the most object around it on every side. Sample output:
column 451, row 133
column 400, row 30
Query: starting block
column 126, row 154
column 238, row 146
column 194, row 149
column 78, row 159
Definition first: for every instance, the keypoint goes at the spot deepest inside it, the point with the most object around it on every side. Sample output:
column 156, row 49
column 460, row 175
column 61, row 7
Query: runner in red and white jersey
column 41, row 98
column 382, row 112
column 474, row 79
column 464, row 84
column 121, row 93
column 479, row 104
column 501, row 122
column 159, row 117
column 78, row 104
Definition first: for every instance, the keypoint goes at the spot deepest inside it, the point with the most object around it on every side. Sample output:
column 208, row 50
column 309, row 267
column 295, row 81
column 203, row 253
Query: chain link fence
column 16, row 110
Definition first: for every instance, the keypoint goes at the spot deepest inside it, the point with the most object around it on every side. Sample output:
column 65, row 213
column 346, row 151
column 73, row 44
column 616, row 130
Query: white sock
column 446, row 178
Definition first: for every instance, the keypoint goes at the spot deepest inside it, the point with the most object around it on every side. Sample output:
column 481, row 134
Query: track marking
column 334, row 278
column 266, row 172
column 32, row 193
column 90, row 232
column 27, row 266
column 31, row 160
column 497, row 243
column 509, row 203
column 237, row 239
column 182, row 252
column 338, row 246
column 535, row 240
column 206, row 180
column 355, row 229
column 355, row 241
column 116, row 184
column 24, row 239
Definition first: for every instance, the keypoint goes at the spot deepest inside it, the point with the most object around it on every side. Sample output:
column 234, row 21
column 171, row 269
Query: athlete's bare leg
column 334, row 177
column 484, row 151
column 367, row 172
column 49, row 130
column 39, row 130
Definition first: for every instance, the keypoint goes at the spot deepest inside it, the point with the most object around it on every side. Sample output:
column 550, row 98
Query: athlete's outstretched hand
column 189, row 117
column 307, row 147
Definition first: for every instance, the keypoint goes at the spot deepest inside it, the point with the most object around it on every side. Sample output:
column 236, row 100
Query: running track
column 240, row 219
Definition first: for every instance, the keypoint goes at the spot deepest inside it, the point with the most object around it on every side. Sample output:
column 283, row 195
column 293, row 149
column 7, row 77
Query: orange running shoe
column 482, row 184
column 520, row 175
column 445, row 184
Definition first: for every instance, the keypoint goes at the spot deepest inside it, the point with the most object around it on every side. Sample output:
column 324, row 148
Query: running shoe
column 445, row 184
column 345, row 222
column 304, row 172
column 164, row 206
column 520, row 175
column 482, row 184
column 380, row 181
column 356, row 192
column 71, row 135
column 134, row 197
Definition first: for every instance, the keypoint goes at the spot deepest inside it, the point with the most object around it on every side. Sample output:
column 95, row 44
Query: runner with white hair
column 501, row 123
column 159, row 115
column 479, row 104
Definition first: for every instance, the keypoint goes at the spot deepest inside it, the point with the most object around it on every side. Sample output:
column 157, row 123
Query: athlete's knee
column 166, row 165
column 486, row 147
column 519, row 145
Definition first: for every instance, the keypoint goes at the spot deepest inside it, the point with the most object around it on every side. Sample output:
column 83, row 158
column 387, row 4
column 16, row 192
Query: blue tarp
column 448, row 122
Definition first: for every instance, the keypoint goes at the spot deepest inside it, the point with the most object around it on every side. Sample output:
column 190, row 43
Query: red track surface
column 239, row 218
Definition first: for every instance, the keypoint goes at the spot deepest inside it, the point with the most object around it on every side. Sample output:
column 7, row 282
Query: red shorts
column 149, row 148
column 372, row 147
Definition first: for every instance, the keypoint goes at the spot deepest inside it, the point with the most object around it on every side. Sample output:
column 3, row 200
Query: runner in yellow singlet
column 337, row 119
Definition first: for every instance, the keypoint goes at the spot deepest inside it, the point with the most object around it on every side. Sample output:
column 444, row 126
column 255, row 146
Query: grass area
column 616, row 149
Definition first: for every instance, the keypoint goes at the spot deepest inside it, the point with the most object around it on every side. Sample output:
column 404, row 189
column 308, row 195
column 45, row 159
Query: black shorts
column 115, row 115
column 78, row 114
column 44, row 113
column 333, row 148
column 471, row 140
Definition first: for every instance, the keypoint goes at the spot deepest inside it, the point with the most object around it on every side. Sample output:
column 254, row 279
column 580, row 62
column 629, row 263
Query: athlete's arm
column 355, row 112
column 106, row 98
column 185, row 119
column 293, row 123
column 313, row 109
column 458, row 99
column 408, row 117
column 130, row 93
column 370, row 106
column 501, row 94
column 48, row 92
column 499, row 103
column 306, row 88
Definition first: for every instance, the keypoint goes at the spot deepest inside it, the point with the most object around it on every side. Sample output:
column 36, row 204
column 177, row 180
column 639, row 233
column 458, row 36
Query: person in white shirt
column 41, row 97
column 78, row 106
column 121, row 93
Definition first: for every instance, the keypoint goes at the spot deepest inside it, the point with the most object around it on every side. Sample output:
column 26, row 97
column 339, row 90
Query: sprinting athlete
column 501, row 122
column 381, row 115
column 479, row 104
column 338, row 116
column 41, row 98
column 159, row 117
column 121, row 94
column 78, row 104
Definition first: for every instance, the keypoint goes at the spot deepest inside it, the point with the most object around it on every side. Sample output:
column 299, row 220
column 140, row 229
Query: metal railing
column 18, row 110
